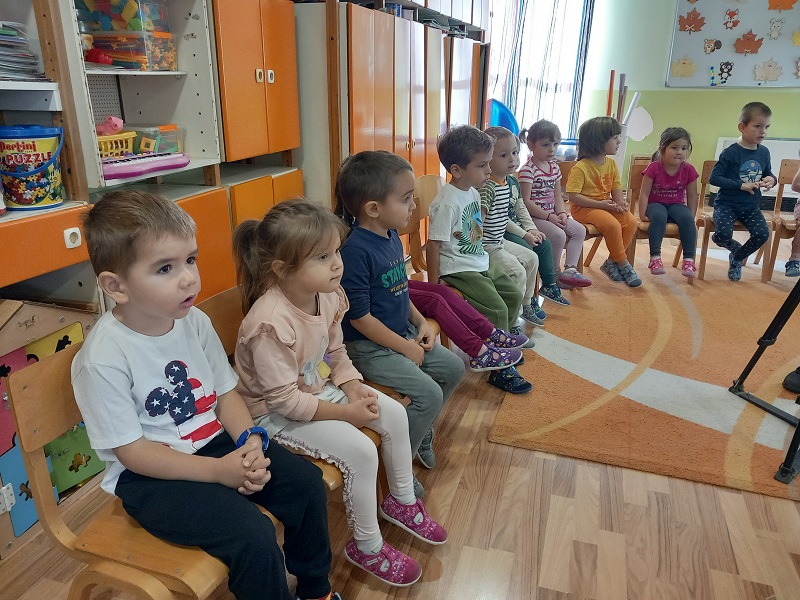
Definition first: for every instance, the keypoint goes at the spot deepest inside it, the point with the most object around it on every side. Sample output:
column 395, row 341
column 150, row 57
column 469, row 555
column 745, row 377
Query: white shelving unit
column 185, row 98
column 30, row 96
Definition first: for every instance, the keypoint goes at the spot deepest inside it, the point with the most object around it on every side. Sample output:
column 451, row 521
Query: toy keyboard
column 123, row 167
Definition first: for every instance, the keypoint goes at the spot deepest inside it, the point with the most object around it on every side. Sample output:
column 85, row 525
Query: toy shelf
column 131, row 73
column 30, row 95
column 14, row 215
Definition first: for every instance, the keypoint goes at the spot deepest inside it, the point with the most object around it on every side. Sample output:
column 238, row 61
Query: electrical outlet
column 72, row 237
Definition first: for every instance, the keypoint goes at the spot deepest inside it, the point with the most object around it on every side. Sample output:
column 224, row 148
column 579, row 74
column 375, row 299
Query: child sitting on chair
column 158, row 398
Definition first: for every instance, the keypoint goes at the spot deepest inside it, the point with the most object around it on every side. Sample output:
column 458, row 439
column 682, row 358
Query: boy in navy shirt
column 742, row 171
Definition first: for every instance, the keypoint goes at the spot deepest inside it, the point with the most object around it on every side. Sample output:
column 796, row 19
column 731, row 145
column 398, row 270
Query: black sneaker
column 509, row 380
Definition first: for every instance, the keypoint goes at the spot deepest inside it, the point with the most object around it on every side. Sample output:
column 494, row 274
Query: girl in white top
column 540, row 182
column 300, row 385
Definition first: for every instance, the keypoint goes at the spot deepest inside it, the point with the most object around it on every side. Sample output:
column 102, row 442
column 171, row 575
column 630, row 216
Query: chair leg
column 701, row 272
column 592, row 252
column 678, row 253
column 768, row 267
column 759, row 254
column 632, row 249
column 580, row 261
column 117, row 577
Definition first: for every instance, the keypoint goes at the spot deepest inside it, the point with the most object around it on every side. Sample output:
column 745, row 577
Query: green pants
column 545, row 253
column 492, row 293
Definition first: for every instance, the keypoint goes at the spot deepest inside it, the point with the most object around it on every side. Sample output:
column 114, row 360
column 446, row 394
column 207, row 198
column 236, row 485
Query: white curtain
column 537, row 56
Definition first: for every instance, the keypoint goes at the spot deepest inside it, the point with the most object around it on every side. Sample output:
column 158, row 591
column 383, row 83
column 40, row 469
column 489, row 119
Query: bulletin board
column 735, row 43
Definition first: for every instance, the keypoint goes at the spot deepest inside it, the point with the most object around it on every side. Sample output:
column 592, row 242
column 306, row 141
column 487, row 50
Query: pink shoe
column 656, row 266
column 390, row 565
column 572, row 278
column 414, row 519
column 687, row 268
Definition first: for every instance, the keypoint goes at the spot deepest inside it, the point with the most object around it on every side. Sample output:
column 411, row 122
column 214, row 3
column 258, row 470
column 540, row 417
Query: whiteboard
column 735, row 43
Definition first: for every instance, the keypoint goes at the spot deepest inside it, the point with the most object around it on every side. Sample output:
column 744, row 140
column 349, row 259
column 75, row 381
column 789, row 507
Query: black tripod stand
column 787, row 471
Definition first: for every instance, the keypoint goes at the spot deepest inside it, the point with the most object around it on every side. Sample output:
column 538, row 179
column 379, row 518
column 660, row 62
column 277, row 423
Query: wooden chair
column 118, row 553
column 591, row 231
column 635, row 176
column 705, row 219
column 225, row 312
column 784, row 224
column 425, row 192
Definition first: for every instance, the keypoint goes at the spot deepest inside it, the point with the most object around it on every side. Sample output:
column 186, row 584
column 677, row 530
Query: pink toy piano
column 123, row 167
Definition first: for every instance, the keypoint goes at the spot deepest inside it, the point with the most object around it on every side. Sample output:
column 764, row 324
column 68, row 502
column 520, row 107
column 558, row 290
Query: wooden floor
column 527, row 525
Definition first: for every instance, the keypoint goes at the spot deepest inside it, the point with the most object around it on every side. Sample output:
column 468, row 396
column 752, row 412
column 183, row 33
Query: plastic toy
column 93, row 55
column 110, row 126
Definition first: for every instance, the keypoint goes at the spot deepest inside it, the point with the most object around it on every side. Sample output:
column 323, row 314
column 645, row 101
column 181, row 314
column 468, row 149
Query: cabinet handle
column 259, row 75
column 408, row 146
column 413, row 143
column 270, row 76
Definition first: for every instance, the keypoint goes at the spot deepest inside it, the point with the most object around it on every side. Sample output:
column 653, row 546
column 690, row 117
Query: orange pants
column 618, row 229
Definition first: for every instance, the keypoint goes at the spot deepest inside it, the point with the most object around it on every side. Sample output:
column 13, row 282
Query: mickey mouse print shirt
column 163, row 388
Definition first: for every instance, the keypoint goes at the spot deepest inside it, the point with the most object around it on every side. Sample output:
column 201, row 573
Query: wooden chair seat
column 671, row 230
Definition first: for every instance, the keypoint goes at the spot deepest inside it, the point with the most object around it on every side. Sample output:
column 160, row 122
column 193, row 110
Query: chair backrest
column 635, row 177
column 225, row 311
column 566, row 167
column 44, row 408
column 425, row 192
column 789, row 168
column 705, row 177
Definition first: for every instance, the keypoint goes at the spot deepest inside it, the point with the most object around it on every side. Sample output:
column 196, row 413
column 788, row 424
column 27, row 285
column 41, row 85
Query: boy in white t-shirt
column 158, row 398
column 455, row 251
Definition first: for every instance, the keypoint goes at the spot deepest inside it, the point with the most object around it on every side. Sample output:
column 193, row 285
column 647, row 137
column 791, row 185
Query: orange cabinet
column 402, row 88
column 418, row 105
column 361, row 77
column 463, row 83
column 214, row 240
column 384, row 82
column 257, row 68
column 251, row 199
column 435, row 110
column 36, row 244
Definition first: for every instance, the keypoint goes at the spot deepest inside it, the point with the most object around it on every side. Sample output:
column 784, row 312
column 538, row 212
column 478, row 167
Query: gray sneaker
column 425, row 453
column 630, row 276
column 529, row 314
column 611, row 269
column 419, row 491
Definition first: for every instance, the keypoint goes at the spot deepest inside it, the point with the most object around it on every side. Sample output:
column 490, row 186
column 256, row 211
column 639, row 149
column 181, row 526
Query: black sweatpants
column 229, row 526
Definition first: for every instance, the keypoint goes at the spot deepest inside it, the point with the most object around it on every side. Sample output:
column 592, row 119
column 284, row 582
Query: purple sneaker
column 504, row 339
column 495, row 358
column 390, row 565
column 414, row 519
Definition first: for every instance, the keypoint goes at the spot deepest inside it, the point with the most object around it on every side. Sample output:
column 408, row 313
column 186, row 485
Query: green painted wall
column 634, row 37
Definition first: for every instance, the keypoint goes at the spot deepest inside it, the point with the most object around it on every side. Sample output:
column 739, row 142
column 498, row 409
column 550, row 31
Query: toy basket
column 119, row 144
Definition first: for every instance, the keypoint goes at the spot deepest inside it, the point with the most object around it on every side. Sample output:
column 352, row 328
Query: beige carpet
column 638, row 378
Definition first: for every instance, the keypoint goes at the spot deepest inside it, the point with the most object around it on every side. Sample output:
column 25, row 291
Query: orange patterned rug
column 638, row 378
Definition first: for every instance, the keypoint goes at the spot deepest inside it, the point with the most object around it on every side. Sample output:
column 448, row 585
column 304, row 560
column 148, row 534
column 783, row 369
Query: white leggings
column 355, row 455
column 572, row 236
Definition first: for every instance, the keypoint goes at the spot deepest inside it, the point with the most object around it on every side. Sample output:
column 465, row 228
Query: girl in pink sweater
column 296, row 377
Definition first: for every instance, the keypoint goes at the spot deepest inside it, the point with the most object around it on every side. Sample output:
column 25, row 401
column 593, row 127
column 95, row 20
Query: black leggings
column 660, row 215
column 229, row 526
column 751, row 218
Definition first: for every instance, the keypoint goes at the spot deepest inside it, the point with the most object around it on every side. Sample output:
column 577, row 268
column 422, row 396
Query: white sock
column 371, row 546
column 408, row 499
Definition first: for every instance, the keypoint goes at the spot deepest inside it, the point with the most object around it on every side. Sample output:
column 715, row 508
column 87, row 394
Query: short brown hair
column 460, row 144
column 121, row 221
column 751, row 110
column 593, row 135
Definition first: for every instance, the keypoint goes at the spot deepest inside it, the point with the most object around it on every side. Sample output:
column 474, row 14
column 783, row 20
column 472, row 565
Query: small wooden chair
column 635, row 176
column 225, row 311
column 784, row 224
column 705, row 219
column 425, row 192
column 118, row 553
column 591, row 231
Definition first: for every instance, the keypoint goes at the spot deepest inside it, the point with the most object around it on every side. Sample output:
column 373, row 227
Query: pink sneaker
column 656, row 266
column 687, row 268
column 390, row 565
column 573, row 278
column 414, row 519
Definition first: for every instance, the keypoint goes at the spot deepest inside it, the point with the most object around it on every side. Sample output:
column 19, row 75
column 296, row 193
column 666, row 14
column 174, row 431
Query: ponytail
column 250, row 273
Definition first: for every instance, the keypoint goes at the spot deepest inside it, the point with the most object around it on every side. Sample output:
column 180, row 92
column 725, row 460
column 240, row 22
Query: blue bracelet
column 248, row 432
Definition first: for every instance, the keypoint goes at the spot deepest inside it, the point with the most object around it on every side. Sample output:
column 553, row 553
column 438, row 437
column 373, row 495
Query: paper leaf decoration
column 768, row 71
column 781, row 4
column 684, row 67
column 748, row 43
column 796, row 38
column 692, row 22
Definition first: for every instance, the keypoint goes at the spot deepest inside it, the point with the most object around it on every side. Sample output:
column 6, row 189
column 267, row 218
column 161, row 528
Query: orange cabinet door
column 361, row 77
column 214, row 241
column 417, row 97
column 280, row 75
column 475, row 82
column 402, row 87
column 287, row 186
column 435, row 114
column 383, row 48
column 251, row 199
column 35, row 245
column 240, row 59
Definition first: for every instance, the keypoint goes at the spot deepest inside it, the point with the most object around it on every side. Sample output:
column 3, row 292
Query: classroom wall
column 634, row 37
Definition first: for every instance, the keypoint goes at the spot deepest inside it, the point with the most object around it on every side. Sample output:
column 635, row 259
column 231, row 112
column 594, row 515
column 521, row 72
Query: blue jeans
column 660, row 215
